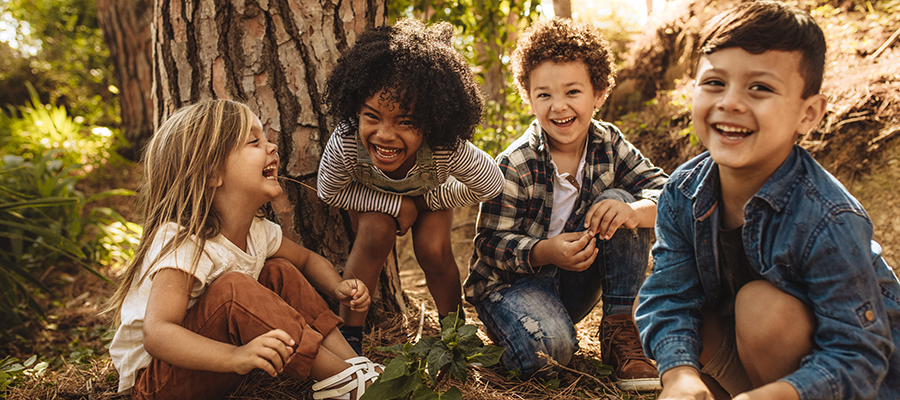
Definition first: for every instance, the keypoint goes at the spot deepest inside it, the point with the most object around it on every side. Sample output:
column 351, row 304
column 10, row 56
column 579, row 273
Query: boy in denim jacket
column 766, row 281
column 574, row 219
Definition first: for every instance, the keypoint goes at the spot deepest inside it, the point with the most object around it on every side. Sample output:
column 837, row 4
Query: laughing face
column 252, row 170
column 563, row 100
column 748, row 108
column 388, row 133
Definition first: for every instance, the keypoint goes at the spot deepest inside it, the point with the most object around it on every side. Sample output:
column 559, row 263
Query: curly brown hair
column 562, row 40
column 418, row 68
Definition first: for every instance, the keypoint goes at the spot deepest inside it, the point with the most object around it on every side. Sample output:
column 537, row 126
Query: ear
column 214, row 181
column 813, row 111
column 600, row 98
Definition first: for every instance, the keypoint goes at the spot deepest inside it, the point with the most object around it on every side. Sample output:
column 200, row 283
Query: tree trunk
column 126, row 30
column 273, row 55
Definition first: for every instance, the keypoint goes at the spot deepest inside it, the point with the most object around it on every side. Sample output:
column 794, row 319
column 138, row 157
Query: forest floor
column 859, row 142
column 77, row 338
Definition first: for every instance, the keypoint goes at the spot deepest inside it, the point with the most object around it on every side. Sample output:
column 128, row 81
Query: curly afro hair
column 561, row 40
column 418, row 68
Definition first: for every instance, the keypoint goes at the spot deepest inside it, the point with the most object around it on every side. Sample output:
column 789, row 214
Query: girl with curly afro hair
column 573, row 223
column 406, row 104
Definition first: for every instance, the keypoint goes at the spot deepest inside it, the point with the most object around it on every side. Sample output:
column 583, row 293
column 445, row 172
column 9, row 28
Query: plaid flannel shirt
column 511, row 223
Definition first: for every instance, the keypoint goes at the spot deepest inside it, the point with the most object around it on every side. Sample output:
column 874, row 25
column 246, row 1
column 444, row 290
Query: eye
column 406, row 122
column 760, row 87
column 712, row 82
column 253, row 140
column 542, row 95
column 573, row 92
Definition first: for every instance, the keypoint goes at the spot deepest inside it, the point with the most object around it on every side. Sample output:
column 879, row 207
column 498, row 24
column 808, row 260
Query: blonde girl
column 214, row 290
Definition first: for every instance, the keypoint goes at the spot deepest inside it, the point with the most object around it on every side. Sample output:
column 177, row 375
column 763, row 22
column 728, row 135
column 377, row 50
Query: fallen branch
column 886, row 44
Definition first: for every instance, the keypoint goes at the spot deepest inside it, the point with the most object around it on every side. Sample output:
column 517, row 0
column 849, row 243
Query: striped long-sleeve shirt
column 511, row 223
column 476, row 177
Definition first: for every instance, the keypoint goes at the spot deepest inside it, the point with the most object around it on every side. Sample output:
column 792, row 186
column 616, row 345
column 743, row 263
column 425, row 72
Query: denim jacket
column 807, row 235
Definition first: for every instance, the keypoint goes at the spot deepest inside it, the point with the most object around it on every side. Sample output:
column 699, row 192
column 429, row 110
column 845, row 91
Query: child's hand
column 605, row 217
column 268, row 352
column 572, row 251
column 353, row 293
column 684, row 383
column 407, row 216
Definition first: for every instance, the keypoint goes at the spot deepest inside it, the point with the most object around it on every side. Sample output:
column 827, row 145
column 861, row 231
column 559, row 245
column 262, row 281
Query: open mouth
column 732, row 132
column 270, row 171
column 563, row 122
column 387, row 153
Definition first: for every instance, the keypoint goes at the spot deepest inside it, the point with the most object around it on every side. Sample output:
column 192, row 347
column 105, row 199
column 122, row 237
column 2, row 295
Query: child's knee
column 377, row 229
column 767, row 316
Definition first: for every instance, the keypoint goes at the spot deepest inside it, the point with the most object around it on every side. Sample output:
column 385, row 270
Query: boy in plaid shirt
column 574, row 219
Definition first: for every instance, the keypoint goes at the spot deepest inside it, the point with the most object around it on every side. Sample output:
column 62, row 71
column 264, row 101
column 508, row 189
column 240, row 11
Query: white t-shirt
column 564, row 195
column 219, row 257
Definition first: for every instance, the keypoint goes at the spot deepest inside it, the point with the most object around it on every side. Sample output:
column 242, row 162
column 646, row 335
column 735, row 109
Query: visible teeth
column 388, row 153
column 563, row 121
column 732, row 129
column 269, row 171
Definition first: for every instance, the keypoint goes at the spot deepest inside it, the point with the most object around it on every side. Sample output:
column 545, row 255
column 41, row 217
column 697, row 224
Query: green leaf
column 451, row 394
column 396, row 368
column 424, row 346
column 392, row 389
column 487, row 355
column 423, row 392
column 438, row 357
column 458, row 369
column 42, row 202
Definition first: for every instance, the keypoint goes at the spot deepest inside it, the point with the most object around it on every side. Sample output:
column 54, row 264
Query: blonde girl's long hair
column 186, row 153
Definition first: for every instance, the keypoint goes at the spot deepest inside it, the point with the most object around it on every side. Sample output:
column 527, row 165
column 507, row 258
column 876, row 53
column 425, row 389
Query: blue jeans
column 539, row 313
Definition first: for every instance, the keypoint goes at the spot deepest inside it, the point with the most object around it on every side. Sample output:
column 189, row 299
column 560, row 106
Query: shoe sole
column 638, row 385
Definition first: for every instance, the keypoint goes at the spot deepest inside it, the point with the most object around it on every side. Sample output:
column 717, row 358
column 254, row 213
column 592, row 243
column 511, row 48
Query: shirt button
column 426, row 175
column 870, row 315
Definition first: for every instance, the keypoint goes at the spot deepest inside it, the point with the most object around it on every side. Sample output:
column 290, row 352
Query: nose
column 732, row 100
column 273, row 148
column 386, row 132
column 558, row 104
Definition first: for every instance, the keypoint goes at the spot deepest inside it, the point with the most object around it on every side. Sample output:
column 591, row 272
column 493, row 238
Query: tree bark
column 273, row 55
column 126, row 30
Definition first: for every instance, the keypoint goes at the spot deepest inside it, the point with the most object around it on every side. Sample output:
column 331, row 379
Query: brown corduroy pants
column 236, row 309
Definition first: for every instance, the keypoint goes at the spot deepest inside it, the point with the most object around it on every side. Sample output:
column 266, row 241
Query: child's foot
column 621, row 349
column 354, row 337
column 350, row 383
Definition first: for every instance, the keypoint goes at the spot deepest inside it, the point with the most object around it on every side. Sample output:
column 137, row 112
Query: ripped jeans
column 538, row 313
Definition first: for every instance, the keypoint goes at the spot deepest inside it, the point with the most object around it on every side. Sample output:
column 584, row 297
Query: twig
column 885, row 45
column 421, row 322
column 296, row 181
column 553, row 362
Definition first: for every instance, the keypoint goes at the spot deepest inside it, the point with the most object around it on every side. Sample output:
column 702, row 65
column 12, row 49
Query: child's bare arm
column 166, row 340
column 606, row 216
column 321, row 274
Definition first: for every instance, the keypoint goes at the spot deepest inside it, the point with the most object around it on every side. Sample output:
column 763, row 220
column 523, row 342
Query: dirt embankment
column 858, row 141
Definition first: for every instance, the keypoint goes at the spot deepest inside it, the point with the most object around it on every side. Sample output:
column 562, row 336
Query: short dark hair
column 761, row 26
column 419, row 69
column 562, row 40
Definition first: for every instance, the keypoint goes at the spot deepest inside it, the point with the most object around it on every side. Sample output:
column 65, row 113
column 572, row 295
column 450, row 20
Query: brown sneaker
column 621, row 349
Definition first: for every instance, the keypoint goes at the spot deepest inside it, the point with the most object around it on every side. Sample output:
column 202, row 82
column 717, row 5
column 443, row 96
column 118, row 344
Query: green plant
column 418, row 369
column 43, row 219
column 44, row 127
column 12, row 371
